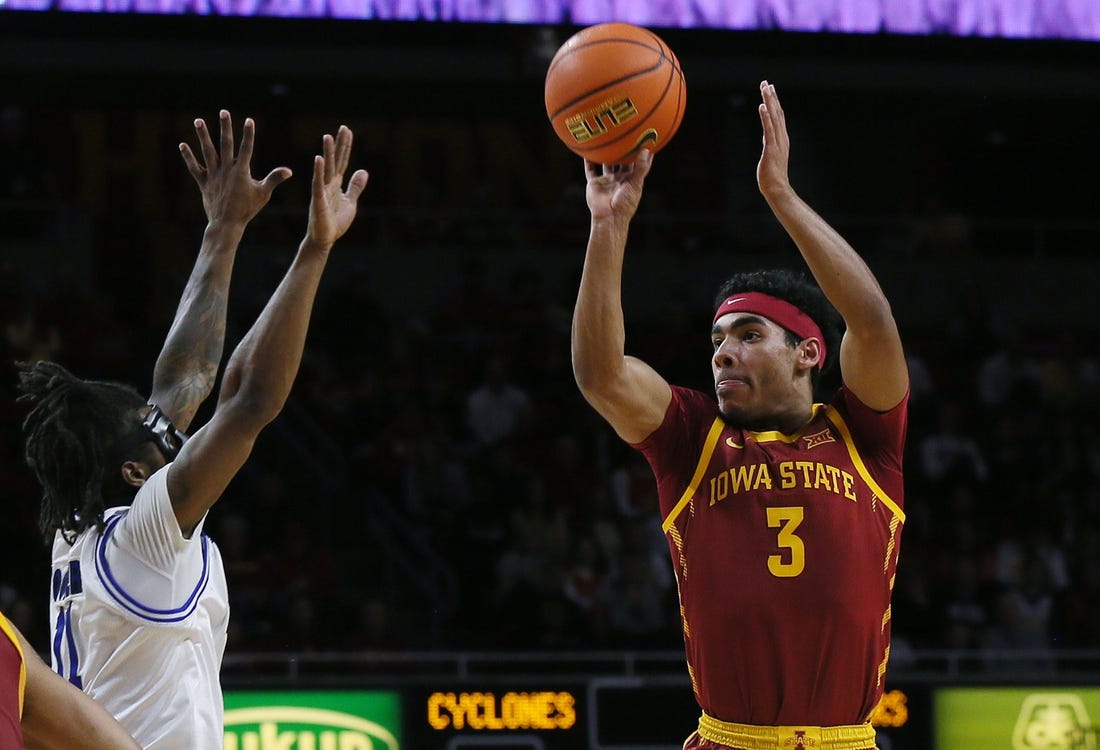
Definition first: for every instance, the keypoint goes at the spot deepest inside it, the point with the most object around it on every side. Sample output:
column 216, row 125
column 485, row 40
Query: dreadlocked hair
column 799, row 290
column 71, row 432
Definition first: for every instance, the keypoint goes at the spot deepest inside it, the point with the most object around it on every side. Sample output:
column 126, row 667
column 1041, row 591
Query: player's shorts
column 724, row 735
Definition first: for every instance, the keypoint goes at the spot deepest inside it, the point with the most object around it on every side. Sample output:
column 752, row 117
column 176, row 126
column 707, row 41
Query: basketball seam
column 584, row 45
column 615, row 82
column 660, row 61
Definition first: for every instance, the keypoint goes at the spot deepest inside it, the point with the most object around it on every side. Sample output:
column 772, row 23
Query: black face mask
column 158, row 429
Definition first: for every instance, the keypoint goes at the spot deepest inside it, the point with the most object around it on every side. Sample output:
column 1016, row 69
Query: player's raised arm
column 872, row 360
column 627, row 392
column 262, row 368
column 187, row 366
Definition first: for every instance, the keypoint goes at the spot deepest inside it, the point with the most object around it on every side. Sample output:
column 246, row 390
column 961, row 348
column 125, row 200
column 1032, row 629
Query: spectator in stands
column 951, row 453
column 497, row 409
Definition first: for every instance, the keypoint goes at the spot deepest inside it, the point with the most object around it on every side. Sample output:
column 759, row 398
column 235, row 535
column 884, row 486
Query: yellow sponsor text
column 545, row 710
column 611, row 113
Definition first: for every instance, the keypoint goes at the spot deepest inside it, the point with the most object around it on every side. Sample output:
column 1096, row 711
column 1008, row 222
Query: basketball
column 612, row 89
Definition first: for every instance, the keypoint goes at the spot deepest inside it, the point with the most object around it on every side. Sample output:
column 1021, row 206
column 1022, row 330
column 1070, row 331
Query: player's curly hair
column 801, row 291
column 71, row 433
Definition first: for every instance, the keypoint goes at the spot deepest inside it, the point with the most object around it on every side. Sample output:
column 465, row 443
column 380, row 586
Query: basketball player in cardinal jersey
column 783, row 515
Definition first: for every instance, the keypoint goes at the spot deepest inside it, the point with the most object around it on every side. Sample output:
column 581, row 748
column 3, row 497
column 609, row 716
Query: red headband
column 780, row 311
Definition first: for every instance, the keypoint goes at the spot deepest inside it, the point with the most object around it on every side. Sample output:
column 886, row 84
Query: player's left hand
column 771, row 172
column 332, row 209
column 229, row 194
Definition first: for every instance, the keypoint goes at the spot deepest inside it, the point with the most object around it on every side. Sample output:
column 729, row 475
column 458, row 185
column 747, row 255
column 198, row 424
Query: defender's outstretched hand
column 771, row 172
column 332, row 209
column 616, row 190
column 228, row 191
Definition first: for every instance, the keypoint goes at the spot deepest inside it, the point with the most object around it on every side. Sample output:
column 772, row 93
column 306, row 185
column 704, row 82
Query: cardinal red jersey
column 784, row 548
column 13, row 677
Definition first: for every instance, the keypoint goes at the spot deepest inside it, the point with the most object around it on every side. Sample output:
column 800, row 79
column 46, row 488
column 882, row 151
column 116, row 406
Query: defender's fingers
column 248, row 138
column 275, row 178
column 192, row 163
column 226, row 134
column 209, row 153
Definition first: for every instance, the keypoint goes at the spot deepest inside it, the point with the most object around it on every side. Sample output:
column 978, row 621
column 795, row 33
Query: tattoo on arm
column 188, row 364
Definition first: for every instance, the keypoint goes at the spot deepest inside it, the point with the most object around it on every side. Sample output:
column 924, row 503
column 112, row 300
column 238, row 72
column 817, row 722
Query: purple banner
column 1033, row 19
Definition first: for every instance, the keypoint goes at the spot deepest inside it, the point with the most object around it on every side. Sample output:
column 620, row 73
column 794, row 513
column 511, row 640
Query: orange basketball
column 612, row 89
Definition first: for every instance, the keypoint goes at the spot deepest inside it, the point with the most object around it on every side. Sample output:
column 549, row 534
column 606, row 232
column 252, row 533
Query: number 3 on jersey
column 792, row 563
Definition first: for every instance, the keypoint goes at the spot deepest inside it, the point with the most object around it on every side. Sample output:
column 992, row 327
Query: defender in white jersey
column 140, row 606
column 139, row 619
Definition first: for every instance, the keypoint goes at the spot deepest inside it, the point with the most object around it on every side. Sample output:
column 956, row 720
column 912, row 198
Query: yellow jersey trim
column 770, row 436
column 6, row 627
column 861, row 468
column 754, row 737
column 700, row 469
column 831, row 414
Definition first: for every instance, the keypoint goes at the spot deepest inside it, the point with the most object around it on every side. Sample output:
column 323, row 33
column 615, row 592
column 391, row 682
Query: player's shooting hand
column 332, row 209
column 616, row 191
column 229, row 194
column 771, row 172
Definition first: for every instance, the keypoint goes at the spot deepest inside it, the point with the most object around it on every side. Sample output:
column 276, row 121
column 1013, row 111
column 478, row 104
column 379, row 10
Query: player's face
column 754, row 370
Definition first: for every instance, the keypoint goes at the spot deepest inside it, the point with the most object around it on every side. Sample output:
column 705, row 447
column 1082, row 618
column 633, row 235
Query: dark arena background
column 406, row 571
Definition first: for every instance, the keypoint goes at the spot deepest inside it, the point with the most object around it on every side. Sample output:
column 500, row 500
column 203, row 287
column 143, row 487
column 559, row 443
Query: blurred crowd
column 437, row 482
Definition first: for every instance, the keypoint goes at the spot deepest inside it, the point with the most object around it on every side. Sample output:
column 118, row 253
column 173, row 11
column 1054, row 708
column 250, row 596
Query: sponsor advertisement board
column 1017, row 718
column 595, row 714
column 313, row 720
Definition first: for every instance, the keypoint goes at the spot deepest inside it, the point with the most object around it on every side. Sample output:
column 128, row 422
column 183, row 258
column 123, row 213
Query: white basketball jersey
column 138, row 619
